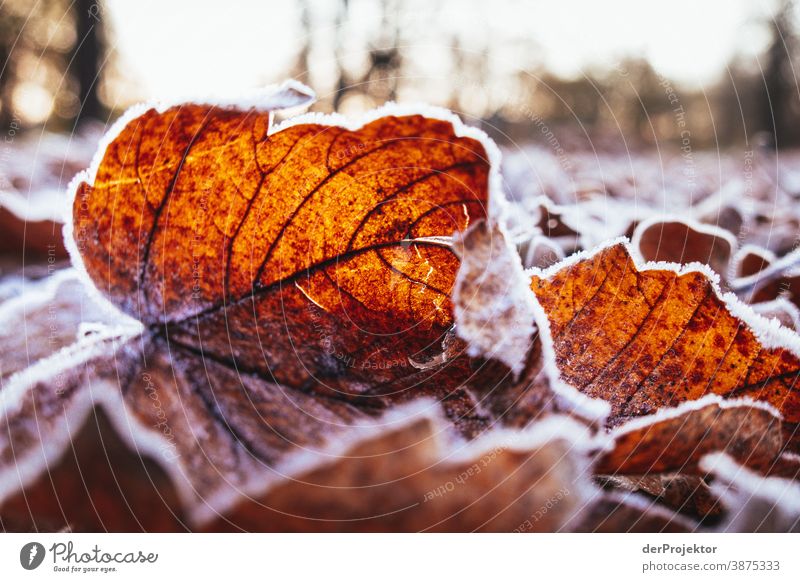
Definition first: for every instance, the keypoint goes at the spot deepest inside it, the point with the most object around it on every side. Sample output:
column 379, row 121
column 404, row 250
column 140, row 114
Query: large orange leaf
column 646, row 339
column 316, row 255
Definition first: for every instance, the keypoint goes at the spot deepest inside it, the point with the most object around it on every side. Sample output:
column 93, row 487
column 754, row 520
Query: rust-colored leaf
column 411, row 479
column 646, row 339
column 750, row 260
column 677, row 440
column 686, row 494
column 682, row 241
column 494, row 314
column 99, row 484
column 312, row 255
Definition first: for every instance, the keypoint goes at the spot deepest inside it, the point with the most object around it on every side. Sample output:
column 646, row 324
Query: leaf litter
column 362, row 349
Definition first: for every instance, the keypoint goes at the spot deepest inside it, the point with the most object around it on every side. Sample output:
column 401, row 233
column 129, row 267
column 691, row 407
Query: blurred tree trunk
column 776, row 100
column 87, row 58
column 6, row 86
column 9, row 37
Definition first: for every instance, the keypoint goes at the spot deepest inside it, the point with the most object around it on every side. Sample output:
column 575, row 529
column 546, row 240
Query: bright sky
column 186, row 47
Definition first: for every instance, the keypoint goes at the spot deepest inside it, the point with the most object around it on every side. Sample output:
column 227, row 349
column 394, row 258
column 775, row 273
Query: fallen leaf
column 786, row 466
column 493, row 304
column 50, row 313
column 98, row 484
column 313, row 255
column 495, row 317
column 32, row 239
column 34, row 175
column 411, row 477
column 684, row 241
column 644, row 339
column 551, row 222
column 750, row 260
column 686, row 494
column 675, row 440
column 541, row 252
column 778, row 280
column 628, row 513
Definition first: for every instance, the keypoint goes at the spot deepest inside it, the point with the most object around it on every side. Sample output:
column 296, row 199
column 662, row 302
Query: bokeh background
column 667, row 100
column 599, row 66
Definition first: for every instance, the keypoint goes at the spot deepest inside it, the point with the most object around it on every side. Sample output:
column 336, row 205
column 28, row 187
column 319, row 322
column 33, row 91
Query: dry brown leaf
column 779, row 279
column 493, row 306
column 314, row 255
column 34, row 175
column 551, row 223
column 786, row 466
column 45, row 317
column 412, row 478
column 782, row 310
column 750, row 260
column 686, row 494
column 676, row 440
column 629, row 513
column 99, row 484
column 644, row 339
column 540, row 252
column 31, row 239
column 684, row 241
column 787, row 286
